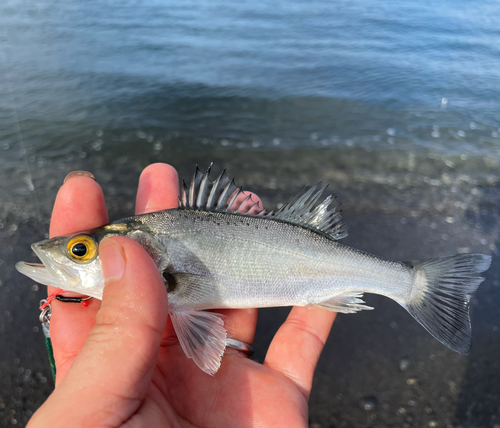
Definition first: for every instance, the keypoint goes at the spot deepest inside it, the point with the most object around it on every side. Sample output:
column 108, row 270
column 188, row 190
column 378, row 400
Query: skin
column 119, row 363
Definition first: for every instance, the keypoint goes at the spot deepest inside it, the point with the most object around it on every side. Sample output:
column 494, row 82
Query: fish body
column 225, row 260
column 212, row 257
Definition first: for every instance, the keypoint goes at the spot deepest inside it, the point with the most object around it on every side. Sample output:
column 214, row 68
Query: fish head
column 68, row 262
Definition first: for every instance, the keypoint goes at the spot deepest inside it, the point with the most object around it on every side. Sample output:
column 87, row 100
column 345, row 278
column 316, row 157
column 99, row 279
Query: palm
column 242, row 392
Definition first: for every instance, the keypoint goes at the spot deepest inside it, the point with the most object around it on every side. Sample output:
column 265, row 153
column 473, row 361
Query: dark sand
column 379, row 368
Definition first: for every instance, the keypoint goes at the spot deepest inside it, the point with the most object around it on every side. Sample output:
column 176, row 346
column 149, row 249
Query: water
column 413, row 75
column 396, row 104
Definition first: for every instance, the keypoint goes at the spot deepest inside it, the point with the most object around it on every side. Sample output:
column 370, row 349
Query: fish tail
column 439, row 298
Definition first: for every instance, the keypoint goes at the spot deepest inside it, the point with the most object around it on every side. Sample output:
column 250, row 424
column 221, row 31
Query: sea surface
column 395, row 104
column 83, row 76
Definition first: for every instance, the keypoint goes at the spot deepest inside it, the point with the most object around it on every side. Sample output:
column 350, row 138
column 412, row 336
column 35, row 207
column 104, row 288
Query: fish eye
column 82, row 248
column 79, row 249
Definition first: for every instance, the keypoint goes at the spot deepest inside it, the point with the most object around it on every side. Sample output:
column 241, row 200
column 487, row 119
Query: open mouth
column 39, row 273
column 48, row 272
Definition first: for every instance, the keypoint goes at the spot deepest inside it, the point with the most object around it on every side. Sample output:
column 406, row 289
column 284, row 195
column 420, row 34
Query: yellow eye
column 82, row 248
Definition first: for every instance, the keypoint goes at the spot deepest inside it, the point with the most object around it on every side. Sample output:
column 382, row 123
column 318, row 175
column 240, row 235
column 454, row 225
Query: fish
column 215, row 253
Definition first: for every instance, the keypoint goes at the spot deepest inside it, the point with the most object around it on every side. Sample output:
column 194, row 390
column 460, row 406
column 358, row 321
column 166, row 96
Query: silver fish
column 212, row 258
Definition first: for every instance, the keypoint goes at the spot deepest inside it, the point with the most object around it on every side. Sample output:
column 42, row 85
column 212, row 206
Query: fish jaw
column 38, row 273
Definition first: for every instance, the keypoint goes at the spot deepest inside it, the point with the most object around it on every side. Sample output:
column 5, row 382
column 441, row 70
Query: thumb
column 110, row 376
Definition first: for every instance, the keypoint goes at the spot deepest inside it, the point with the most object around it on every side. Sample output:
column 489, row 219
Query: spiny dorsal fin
column 220, row 195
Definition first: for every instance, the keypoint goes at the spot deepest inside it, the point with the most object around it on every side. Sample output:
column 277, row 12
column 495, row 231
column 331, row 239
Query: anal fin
column 346, row 303
column 202, row 337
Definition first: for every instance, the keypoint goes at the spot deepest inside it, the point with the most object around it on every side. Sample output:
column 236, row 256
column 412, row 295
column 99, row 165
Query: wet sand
column 379, row 368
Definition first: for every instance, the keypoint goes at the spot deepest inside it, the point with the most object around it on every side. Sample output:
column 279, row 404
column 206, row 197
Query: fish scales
column 215, row 252
column 260, row 262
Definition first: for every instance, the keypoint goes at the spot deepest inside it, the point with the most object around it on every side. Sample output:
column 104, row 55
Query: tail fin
column 439, row 299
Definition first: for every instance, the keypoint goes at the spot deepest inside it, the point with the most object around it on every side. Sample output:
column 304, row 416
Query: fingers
column 79, row 206
column 110, row 376
column 158, row 189
column 297, row 346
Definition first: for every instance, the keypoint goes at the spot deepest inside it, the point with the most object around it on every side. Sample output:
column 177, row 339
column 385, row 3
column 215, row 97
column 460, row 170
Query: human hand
column 120, row 364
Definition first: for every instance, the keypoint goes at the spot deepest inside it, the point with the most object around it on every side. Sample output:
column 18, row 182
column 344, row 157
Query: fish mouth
column 38, row 273
column 49, row 272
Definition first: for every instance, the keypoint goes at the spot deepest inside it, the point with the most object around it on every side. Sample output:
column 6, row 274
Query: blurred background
column 395, row 104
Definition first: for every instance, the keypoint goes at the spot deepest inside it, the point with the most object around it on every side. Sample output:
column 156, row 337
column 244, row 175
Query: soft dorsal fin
column 303, row 210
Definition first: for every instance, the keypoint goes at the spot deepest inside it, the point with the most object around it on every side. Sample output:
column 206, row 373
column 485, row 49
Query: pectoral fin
column 202, row 336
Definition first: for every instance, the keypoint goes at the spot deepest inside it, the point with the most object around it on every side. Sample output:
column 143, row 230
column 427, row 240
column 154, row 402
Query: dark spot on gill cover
column 170, row 281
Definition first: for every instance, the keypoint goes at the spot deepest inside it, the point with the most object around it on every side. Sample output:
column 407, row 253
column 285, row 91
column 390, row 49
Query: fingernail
column 79, row 174
column 112, row 259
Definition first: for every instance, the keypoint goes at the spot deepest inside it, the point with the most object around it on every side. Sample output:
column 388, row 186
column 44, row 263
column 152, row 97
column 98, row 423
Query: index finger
column 79, row 206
